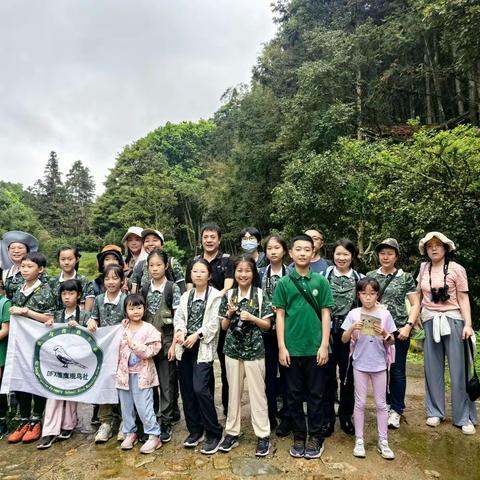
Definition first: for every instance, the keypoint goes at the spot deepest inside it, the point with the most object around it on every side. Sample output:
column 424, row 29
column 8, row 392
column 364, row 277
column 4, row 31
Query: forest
column 361, row 118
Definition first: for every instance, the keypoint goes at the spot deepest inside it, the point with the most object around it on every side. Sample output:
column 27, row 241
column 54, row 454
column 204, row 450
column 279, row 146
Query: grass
column 88, row 266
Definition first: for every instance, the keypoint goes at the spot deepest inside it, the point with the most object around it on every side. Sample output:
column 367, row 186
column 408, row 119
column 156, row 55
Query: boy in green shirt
column 5, row 305
column 303, row 339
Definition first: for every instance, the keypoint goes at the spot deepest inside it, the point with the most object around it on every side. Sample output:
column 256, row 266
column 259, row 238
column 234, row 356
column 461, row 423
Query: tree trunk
column 360, row 238
column 436, row 81
column 472, row 103
column 359, row 103
column 428, row 94
column 458, row 87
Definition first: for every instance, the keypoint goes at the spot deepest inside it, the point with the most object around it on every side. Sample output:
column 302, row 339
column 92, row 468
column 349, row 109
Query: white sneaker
column 359, row 449
column 385, row 450
column 433, row 421
column 104, row 433
column 469, row 428
column 393, row 419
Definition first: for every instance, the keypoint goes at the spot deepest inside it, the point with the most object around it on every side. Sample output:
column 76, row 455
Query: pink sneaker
column 153, row 443
column 129, row 442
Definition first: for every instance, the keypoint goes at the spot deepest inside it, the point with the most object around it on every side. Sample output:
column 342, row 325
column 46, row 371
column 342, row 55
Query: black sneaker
column 46, row 442
column 263, row 447
column 297, row 450
column 347, row 425
column 211, row 445
column 285, row 428
column 176, row 417
column 193, row 440
column 327, row 429
column 166, row 434
column 65, row 434
column 314, row 447
column 229, row 442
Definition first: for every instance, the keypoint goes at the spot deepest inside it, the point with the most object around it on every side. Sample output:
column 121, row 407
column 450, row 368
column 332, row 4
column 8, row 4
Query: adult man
column 318, row 264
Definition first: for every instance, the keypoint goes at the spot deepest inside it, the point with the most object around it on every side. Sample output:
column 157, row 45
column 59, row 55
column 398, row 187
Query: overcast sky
column 87, row 77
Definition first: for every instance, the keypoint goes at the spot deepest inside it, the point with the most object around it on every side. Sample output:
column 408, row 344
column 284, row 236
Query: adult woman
column 134, row 252
column 395, row 286
column 447, row 321
column 250, row 239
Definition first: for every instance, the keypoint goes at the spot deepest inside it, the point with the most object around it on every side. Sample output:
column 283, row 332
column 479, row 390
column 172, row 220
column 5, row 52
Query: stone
column 342, row 467
column 432, row 473
column 247, row 467
column 145, row 462
column 221, row 461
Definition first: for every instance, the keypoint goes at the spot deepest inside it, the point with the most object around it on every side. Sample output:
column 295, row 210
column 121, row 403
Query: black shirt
column 222, row 268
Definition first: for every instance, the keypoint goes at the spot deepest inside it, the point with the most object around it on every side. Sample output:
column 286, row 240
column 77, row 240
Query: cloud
column 85, row 78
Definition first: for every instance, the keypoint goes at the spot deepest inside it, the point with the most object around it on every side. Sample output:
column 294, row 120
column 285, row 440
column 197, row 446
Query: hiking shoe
column 385, row 450
column 104, row 433
column 347, row 426
column 129, row 441
column 229, row 442
column 3, row 430
column 46, row 442
column 359, row 449
column 166, row 434
column 433, row 421
column 33, row 433
column 153, row 443
column 468, row 429
column 95, row 420
column 284, row 429
column 211, row 445
column 65, row 434
column 193, row 440
column 19, row 433
column 297, row 450
column 263, row 447
column 314, row 447
column 393, row 419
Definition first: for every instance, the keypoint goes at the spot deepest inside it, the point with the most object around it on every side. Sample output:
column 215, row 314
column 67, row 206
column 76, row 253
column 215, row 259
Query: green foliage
column 88, row 266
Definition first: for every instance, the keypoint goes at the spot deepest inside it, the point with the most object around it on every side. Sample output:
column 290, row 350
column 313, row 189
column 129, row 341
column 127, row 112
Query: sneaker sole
column 384, row 456
column 129, row 448
column 103, row 441
column 194, row 444
column 358, row 455
column 150, row 451
column 316, row 455
column 257, row 454
column 211, row 452
column 296, row 455
column 166, row 440
column 225, row 450
column 44, row 447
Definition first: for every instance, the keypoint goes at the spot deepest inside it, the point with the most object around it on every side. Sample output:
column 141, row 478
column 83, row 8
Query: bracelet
column 409, row 323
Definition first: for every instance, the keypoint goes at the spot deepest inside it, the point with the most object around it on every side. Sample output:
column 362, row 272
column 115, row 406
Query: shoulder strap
column 3, row 302
column 168, row 293
column 386, row 284
column 144, row 291
column 356, row 276
column 329, row 272
column 307, row 296
column 260, row 301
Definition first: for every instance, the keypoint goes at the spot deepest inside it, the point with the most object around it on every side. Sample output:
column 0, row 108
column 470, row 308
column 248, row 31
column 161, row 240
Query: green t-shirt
column 303, row 328
column 4, row 318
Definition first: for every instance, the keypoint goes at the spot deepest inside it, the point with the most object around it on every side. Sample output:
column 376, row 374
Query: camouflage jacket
column 87, row 288
column 40, row 300
column 83, row 316
column 141, row 275
column 108, row 313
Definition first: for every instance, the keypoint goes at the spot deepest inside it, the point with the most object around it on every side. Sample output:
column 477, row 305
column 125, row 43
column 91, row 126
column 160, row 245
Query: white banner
column 62, row 362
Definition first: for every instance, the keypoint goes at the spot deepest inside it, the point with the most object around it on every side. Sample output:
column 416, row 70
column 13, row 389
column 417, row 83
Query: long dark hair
column 253, row 266
column 76, row 253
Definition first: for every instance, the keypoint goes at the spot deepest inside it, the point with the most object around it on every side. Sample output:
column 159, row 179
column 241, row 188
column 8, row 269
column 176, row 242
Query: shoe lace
column 262, row 443
column 313, row 443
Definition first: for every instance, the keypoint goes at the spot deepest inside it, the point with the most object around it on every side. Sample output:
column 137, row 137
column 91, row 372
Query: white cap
column 133, row 230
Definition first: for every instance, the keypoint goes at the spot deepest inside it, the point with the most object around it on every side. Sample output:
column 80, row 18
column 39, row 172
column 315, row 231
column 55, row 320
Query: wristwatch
column 200, row 334
column 410, row 323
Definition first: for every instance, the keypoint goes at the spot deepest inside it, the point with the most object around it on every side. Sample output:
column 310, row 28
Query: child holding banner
column 136, row 376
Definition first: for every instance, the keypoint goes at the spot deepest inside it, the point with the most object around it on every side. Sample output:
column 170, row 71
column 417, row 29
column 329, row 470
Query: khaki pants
column 254, row 370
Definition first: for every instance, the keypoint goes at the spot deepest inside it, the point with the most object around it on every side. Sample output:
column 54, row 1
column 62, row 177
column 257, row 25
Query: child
column 5, row 305
column 136, row 376
column 68, row 259
column 36, row 301
column 370, row 327
column 108, row 310
column 110, row 255
column 303, row 300
column 61, row 415
column 162, row 298
column 196, row 330
column 245, row 313
column 276, row 250
column 343, row 280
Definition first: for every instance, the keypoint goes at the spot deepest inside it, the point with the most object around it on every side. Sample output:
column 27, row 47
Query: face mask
column 249, row 246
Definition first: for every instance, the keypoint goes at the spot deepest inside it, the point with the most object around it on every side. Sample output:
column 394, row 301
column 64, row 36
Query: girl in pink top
column 137, row 376
column 370, row 328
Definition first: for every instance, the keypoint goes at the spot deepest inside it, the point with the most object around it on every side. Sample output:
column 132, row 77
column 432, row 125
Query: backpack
column 329, row 273
column 168, row 292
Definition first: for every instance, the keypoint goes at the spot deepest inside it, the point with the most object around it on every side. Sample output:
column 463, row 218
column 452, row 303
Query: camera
column 440, row 294
column 239, row 327
column 336, row 323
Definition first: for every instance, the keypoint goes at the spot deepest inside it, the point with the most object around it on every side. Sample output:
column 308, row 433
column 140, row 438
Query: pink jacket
column 147, row 344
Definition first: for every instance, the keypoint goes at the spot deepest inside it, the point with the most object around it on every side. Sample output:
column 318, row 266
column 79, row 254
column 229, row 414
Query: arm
column 26, row 312
column 263, row 323
column 89, row 301
column 4, row 329
column 464, row 303
column 227, row 284
column 283, row 355
column 148, row 349
column 322, row 354
column 414, row 299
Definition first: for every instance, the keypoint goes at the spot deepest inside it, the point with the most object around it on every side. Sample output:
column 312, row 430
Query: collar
column 247, row 296
column 202, row 296
column 28, row 291
column 399, row 272
column 73, row 315
column 338, row 274
column 278, row 274
column 160, row 289
column 115, row 301
column 61, row 278
column 218, row 255
column 298, row 276
column 12, row 271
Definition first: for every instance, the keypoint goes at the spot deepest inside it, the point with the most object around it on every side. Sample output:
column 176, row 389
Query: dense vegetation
column 361, row 117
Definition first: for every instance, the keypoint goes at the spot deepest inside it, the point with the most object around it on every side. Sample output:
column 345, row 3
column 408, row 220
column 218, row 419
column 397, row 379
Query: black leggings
column 25, row 401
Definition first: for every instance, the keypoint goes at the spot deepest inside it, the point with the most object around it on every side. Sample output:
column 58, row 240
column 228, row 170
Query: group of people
column 285, row 328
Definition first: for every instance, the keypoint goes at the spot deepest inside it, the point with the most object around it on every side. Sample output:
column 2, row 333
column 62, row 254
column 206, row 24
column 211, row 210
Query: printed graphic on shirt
column 369, row 321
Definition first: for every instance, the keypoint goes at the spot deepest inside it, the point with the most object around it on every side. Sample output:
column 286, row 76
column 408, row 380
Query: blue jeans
column 140, row 401
column 398, row 377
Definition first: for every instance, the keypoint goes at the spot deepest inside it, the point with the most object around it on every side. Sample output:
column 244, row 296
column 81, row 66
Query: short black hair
column 203, row 262
column 134, row 299
column 211, row 227
column 278, row 239
column 72, row 285
column 252, row 231
column 159, row 253
column 316, row 229
column 303, row 238
column 117, row 269
column 36, row 257
column 364, row 282
column 348, row 245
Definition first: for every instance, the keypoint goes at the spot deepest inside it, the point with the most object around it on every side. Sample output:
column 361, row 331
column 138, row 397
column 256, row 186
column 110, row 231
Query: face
column 156, row 267
column 110, row 259
column 17, row 251
column 67, row 261
column 317, row 238
column 436, row 249
column 302, row 253
column 342, row 257
column 151, row 242
column 368, row 297
column 30, row 270
column 112, row 282
column 134, row 243
column 274, row 251
column 135, row 312
column 69, row 298
column 210, row 241
column 244, row 274
column 200, row 275
column 388, row 257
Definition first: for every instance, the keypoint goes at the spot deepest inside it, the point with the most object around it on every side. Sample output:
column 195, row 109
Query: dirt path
column 421, row 453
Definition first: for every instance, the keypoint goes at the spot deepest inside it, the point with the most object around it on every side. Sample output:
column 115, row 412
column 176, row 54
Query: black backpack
column 168, row 292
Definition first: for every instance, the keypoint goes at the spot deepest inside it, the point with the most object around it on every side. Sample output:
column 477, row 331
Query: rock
column 145, row 462
column 71, row 452
column 109, row 473
column 431, row 473
column 179, row 467
column 247, row 467
column 342, row 467
column 199, row 463
column 12, row 477
column 221, row 461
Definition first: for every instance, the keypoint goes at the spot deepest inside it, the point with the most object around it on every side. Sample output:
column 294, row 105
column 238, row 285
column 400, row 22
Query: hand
column 171, row 353
column 380, row 330
column 232, row 308
column 92, row 325
column 246, row 316
column 404, row 332
column 357, row 325
column 284, row 357
column 72, row 324
column 19, row 311
column 191, row 340
column 49, row 323
column 467, row 332
column 180, row 337
column 322, row 355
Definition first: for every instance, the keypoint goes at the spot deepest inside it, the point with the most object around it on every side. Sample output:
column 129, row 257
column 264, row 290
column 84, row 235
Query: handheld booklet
column 368, row 322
